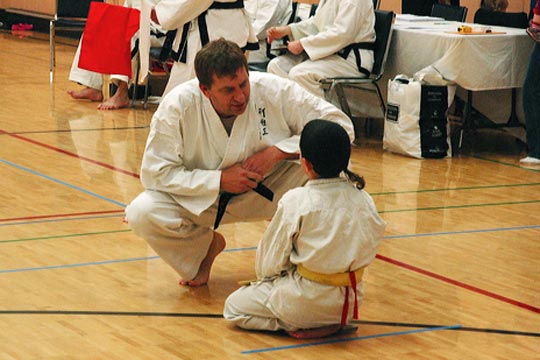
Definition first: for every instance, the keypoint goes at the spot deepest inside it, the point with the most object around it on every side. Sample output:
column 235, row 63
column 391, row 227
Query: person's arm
column 263, row 161
column 352, row 23
column 274, row 249
column 299, row 106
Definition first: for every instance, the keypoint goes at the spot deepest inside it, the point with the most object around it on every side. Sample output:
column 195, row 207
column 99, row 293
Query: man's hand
column 278, row 32
column 237, row 180
column 295, row 47
column 263, row 161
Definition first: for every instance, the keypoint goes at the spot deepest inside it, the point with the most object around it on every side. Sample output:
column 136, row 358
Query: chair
column 70, row 16
column 423, row 7
column 498, row 18
column 449, row 12
column 383, row 30
column 376, row 4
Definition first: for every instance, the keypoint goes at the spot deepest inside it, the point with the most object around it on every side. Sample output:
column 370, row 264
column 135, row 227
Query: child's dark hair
column 327, row 147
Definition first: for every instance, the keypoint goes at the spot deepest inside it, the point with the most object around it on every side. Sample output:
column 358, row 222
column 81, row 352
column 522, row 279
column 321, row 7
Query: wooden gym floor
column 457, row 275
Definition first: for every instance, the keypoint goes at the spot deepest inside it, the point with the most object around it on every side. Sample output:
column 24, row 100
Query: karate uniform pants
column 89, row 78
column 93, row 79
column 308, row 73
column 182, row 239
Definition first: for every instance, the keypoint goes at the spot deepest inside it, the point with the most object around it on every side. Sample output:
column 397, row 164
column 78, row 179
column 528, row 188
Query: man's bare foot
column 119, row 100
column 87, row 93
column 216, row 247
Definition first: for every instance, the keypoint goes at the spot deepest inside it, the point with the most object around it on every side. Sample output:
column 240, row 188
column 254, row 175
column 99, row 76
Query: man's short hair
column 220, row 57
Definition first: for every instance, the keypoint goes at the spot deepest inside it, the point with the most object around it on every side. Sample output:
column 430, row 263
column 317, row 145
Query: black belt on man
column 225, row 197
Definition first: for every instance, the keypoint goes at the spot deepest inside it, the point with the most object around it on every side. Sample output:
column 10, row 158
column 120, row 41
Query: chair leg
column 466, row 122
column 146, row 86
column 343, row 100
column 513, row 120
column 52, row 41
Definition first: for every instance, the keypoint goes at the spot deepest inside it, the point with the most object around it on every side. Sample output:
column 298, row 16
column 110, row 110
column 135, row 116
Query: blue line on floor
column 51, row 267
column 334, row 341
column 61, row 182
column 513, row 228
column 104, row 262
column 63, row 219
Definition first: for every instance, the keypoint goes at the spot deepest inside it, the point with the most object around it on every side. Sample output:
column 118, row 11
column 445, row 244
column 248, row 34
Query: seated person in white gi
column 336, row 41
column 320, row 236
column 264, row 14
column 93, row 82
column 193, row 23
column 224, row 132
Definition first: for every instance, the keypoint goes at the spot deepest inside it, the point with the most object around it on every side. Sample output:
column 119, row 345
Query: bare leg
column 119, row 100
column 87, row 93
column 216, row 247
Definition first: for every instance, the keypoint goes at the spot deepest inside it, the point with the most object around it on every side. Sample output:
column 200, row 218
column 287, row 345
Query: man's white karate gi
column 187, row 149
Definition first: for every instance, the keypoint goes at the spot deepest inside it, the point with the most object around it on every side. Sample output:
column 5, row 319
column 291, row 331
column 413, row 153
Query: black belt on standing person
column 225, row 197
column 181, row 54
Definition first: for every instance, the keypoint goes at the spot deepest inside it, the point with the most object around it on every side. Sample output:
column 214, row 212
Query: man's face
column 229, row 94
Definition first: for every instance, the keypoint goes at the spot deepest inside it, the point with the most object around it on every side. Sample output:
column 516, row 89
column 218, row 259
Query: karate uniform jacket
column 264, row 14
column 335, row 25
column 188, row 146
column 330, row 227
column 231, row 24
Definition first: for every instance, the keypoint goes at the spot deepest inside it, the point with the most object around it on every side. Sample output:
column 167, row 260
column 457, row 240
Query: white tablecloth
column 474, row 62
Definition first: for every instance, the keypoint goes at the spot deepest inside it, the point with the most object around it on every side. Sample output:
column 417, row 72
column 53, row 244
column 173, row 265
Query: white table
column 487, row 64
column 474, row 62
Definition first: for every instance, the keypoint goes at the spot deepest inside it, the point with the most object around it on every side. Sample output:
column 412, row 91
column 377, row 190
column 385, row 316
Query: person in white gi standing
column 93, row 81
column 264, row 14
column 336, row 41
column 224, row 132
column 193, row 23
column 310, row 261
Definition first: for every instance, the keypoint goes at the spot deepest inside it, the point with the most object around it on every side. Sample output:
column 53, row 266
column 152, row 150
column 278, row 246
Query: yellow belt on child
column 348, row 279
column 339, row 279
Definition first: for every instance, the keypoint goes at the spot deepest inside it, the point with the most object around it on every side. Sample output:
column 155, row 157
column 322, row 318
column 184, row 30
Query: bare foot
column 87, row 93
column 216, row 247
column 115, row 102
column 119, row 100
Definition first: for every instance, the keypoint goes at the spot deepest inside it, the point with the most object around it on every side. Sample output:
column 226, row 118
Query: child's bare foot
column 87, row 94
column 315, row 333
column 216, row 247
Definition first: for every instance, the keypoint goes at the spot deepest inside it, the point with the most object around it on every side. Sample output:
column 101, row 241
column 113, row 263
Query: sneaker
column 534, row 32
column 530, row 160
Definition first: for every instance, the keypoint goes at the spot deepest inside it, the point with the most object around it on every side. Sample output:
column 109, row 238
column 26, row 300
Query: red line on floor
column 62, row 215
column 460, row 284
column 71, row 154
